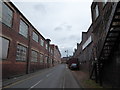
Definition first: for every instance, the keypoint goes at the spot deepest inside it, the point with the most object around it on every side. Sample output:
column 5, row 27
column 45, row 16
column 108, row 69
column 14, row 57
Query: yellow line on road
column 19, row 81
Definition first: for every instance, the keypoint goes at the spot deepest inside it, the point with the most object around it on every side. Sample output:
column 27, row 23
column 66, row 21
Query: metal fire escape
column 108, row 42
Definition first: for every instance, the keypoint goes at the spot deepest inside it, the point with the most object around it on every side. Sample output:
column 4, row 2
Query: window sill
column 23, row 36
column 20, row 61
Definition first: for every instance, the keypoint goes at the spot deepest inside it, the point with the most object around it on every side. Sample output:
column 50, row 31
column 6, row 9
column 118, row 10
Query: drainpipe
column 48, row 42
column 28, row 55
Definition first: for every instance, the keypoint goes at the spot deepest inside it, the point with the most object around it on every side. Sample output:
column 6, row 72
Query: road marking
column 48, row 74
column 19, row 81
column 35, row 85
column 63, row 82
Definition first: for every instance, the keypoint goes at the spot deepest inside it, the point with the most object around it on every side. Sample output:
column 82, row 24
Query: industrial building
column 24, row 49
column 99, row 50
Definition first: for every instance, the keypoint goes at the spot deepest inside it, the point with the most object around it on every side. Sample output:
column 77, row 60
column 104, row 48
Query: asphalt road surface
column 57, row 77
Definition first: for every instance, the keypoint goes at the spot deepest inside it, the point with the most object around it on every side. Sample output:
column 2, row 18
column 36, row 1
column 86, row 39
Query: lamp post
column 66, row 54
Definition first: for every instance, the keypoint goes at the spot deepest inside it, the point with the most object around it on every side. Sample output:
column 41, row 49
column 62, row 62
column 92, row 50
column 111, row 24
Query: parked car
column 73, row 66
column 73, row 63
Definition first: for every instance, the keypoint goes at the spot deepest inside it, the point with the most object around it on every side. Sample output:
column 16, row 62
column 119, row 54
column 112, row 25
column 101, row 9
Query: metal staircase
column 108, row 42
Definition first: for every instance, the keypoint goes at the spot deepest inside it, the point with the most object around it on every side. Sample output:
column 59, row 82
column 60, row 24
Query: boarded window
column 34, row 56
column 35, row 37
column 21, row 53
column 23, row 29
column 4, row 45
column 6, row 14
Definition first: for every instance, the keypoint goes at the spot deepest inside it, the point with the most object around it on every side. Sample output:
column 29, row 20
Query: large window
column 41, row 58
column 34, row 56
column 23, row 29
column 4, row 45
column 6, row 14
column 96, row 11
column 35, row 37
column 42, row 42
column 21, row 54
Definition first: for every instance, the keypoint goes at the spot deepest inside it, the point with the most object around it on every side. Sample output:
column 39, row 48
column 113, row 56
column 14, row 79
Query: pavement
column 56, row 77
column 83, row 79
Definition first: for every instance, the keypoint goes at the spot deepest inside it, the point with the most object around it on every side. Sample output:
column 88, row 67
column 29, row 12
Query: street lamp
column 66, row 53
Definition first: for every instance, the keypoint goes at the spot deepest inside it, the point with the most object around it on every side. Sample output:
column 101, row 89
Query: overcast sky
column 60, row 21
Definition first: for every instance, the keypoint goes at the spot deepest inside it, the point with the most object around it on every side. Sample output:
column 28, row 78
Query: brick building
column 106, row 31
column 84, row 50
column 103, row 53
column 64, row 60
column 24, row 49
column 56, row 54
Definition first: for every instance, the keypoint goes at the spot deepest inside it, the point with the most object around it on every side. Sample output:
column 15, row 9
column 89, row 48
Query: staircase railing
column 99, row 46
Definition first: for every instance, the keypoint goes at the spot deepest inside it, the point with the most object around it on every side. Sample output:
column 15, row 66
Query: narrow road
column 57, row 77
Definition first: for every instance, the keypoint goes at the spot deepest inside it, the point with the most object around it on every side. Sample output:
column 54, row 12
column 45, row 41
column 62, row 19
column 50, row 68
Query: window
column 42, row 42
column 6, row 14
column 4, row 45
column 96, row 11
column 34, row 56
column 46, row 46
column 23, row 29
column 46, row 58
column 41, row 58
column 49, row 49
column 21, row 53
column 50, row 61
column 35, row 37
column 89, row 40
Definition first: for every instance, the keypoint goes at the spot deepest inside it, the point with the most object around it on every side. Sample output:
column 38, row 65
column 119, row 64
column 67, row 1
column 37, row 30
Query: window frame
column 8, row 48
column 46, row 59
column 22, row 56
column 42, row 42
column 12, row 11
column 32, row 57
column 42, row 58
column 20, row 27
column 46, row 46
column 34, row 38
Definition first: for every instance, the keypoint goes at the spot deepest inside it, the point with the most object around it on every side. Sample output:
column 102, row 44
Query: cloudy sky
column 62, row 21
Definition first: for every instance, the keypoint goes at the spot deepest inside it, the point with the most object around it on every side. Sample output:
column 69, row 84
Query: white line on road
column 63, row 82
column 48, row 74
column 35, row 85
